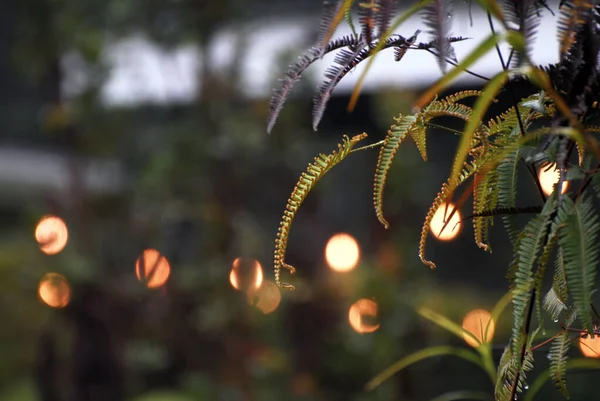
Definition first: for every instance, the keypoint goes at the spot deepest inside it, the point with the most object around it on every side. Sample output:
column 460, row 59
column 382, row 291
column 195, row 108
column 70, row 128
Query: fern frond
column 344, row 61
column 558, row 361
column 400, row 51
column 307, row 181
column 578, row 243
column 295, row 72
column 333, row 13
column 541, row 270
column 530, row 243
column 559, row 282
column 485, row 197
column 397, row 134
column 331, row 8
column 523, row 14
column 468, row 170
column 366, row 18
column 437, row 16
column 509, row 370
column 553, row 305
column 443, row 108
column 458, row 96
column 507, row 191
column 385, row 13
column 573, row 14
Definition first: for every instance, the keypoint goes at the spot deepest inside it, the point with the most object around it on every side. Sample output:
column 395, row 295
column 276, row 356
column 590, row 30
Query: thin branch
column 456, row 65
column 547, row 341
column 373, row 145
column 446, row 128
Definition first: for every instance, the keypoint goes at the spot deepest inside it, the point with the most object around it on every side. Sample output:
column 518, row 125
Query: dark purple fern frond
column 525, row 15
column 345, row 61
column 438, row 18
column 295, row 72
column 366, row 19
column 400, row 51
column 385, row 13
column 330, row 9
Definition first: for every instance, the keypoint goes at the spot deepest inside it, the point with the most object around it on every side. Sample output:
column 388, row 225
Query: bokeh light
column 268, row 297
column 54, row 290
column 152, row 268
column 52, row 234
column 590, row 347
column 342, row 253
column 548, row 176
column 476, row 322
column 246, row 275
column 439, row 219
column 362, row 316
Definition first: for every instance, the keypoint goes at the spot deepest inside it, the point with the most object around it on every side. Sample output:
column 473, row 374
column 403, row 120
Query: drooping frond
column 509, row 369
column 344, row 61
column 558, row 361
column 507, row 191
column 385, row 13
column 331, row 8
column 295, row 72
column 366, row 18
column 485, row 197
column 573, row 14
column 553, row 305
column 334, row 12
column 530, row 243
column 400, row 51
column 578, row 243
column 525, row 15
column 458, row 96
column 468, row 170
column 438, row 18
column 396, row 134
column 307, row 181
column 559, row 282
column 540, row 273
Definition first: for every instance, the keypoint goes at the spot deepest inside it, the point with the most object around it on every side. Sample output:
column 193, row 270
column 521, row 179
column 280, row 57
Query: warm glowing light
column 268, row 297
column 439, row 219
column 548, row 176
column 342, row 253
column 152, row 268
column 362, row 315
column 246, row 275
column 54, row 290
column 52, row 234
column 476, row 322
column 590, row 347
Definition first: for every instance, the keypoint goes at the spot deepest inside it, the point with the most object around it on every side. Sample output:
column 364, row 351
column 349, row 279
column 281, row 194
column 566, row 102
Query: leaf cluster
column 554, row 125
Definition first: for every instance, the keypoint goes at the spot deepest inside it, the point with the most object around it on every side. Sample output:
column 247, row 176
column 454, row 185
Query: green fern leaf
column 395, row 136
column 485, row 197
column 578, row 242
column 558, row 362
column 306, row 183
column 531, row 241
column 541, row 271
column 507, row 191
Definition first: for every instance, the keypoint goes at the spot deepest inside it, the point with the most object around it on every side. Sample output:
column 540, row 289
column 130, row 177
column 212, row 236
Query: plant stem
column 373, row 145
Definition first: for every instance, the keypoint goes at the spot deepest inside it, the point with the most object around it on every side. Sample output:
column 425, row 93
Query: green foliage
column 315, row 171
column 487, row 160
column 578, row 242
column 558, row 361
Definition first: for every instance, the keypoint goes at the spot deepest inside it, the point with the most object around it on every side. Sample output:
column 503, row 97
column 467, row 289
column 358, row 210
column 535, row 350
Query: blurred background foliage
column 201, row 182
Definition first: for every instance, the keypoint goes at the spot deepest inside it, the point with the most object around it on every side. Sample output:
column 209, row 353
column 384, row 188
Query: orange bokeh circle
column 152, row 268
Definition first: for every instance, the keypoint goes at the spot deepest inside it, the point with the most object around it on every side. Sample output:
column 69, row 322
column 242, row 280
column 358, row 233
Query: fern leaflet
column 307, row 181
